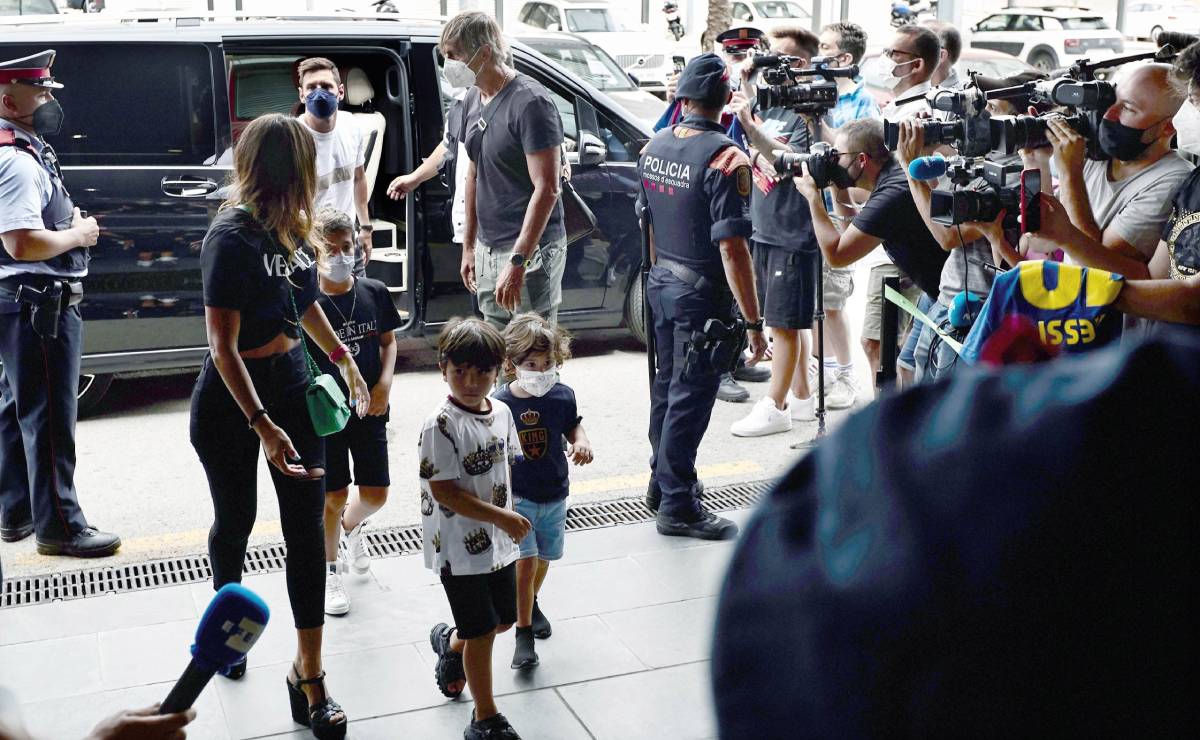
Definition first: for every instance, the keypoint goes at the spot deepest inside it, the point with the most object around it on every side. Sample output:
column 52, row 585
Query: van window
column 262, row 85
column 623, row 144
column 120, row 111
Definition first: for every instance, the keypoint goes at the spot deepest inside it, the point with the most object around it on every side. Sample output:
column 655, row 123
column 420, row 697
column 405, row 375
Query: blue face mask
column 321, row 103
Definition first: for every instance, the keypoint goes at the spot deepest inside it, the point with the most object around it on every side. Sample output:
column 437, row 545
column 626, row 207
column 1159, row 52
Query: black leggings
column 228, row 450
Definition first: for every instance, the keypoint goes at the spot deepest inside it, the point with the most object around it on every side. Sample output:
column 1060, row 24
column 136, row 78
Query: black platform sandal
column 319, row 716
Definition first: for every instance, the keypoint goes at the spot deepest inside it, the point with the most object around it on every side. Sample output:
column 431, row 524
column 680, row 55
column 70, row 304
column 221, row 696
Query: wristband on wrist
column 366, row 227
column 754, row 325
column 255, row 417
column 338, row 353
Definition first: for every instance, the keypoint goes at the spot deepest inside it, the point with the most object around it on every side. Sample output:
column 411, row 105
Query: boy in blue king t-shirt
column 544, row 411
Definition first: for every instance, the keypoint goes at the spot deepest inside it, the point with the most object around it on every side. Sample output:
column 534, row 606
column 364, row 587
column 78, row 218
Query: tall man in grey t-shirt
column 514, row 248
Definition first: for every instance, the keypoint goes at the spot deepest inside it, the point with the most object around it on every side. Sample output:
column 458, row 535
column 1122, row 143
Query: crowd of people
column 740, row 249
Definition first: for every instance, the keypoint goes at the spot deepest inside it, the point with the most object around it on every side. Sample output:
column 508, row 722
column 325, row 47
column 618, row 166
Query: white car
column 593, row 65
column 1147, row 20
column 767, row 14
column 640, row 52
column 1048, row 38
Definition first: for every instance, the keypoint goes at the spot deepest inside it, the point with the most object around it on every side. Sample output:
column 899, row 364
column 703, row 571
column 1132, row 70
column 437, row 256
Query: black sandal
column 317, row 716
column 449, row 668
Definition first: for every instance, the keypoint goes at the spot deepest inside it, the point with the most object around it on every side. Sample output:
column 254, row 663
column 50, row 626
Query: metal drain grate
column 390, row 542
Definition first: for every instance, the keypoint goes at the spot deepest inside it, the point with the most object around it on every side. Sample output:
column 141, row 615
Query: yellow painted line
column 196, row 540
column 639, row 480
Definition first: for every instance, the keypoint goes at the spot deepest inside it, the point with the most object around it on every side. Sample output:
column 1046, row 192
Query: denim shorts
column 546, row 537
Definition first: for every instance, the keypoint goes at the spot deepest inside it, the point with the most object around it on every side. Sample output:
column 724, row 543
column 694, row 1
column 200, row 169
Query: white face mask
column 339, row 268
column 459, row 74
column 887, row 66
column 1187, row 127
column 535, row 383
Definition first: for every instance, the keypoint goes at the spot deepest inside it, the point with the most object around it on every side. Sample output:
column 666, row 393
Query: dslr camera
column 1087, row 99
column 783, row 87
column 821, row 158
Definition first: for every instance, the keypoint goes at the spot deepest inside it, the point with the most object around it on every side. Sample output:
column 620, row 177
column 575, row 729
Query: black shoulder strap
column 8, row 137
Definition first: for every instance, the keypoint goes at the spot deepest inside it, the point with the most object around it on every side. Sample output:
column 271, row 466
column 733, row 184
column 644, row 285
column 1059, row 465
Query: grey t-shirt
column 979, row 279
column 520, row 120
column 1138, row 206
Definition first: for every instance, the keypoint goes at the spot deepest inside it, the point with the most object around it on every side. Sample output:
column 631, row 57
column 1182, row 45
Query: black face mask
column 47, row 119
column 1122, row 142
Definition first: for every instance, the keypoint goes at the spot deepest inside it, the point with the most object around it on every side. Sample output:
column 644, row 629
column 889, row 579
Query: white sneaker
column 803, row 409
column 356, row 550
column 762, row 420
column 830, row 376
column 337, row 602
column 843, row 392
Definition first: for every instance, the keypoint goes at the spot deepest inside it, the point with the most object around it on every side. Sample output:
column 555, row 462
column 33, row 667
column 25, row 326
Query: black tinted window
column 134, row 104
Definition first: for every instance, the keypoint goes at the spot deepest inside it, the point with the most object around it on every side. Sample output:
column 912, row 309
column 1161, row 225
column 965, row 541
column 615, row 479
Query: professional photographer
column 889, row 217
column 695, row 185
column 980, row 243
column 784, row 248
column 1112, row 212
column 1167, row 288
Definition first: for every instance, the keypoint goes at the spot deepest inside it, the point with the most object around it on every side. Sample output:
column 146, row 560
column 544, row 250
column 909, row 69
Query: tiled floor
column 632, row 614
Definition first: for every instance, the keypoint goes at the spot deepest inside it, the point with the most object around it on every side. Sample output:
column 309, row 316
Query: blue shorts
column 545, row 539
column 907, row 358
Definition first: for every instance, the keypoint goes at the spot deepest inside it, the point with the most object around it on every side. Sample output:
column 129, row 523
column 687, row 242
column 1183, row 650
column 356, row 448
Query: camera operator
column 980, row 242
column 1167, row 288
column 889, row 219
column 1112, row 213
column 784, row 249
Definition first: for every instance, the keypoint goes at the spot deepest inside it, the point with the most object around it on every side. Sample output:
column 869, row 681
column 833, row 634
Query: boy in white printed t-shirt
column 471, row 531
column 341, row 150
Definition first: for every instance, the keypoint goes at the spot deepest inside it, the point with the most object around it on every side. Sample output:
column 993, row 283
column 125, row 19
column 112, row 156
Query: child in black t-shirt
column 363, row 316
column 544, row 411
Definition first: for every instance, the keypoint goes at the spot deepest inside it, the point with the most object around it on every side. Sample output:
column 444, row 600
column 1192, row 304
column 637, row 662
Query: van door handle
column 187, row 187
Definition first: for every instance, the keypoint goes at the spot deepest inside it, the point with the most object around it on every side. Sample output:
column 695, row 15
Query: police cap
column 31, row 70
column 705, row 80
column 742, row 39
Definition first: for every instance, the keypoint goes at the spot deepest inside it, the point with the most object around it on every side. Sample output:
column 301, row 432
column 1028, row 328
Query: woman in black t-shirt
column 260, row 289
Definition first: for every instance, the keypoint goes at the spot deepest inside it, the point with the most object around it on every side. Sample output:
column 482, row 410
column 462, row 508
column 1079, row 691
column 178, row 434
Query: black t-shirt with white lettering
column 1180, row 232
column 521, row 119
column 358, row 317
column 780, row 214
column 244, row 267
column 891, row 214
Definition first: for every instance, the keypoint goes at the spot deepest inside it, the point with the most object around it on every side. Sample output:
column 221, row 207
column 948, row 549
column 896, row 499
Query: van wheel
column 91, row 391
column 635, row 313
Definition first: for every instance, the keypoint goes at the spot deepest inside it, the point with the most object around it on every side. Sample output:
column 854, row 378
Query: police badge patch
column 743, row 181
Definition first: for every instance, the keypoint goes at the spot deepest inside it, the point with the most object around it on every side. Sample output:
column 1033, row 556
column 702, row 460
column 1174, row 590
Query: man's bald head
column 1153, row 86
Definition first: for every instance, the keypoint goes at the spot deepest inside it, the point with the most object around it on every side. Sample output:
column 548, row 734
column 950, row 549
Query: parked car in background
column 987, row 63
column 1147, row 20
column 28, row 7
column 593, row 65
column 767, row 14
column 1047, row 38
column 640, row 51
column 151, row 165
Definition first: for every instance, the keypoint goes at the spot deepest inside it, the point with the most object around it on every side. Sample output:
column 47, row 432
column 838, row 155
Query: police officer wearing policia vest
column 695, row 189
column 45, row 254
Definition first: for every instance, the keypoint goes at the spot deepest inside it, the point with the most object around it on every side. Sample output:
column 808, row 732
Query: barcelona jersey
column 1069, row 304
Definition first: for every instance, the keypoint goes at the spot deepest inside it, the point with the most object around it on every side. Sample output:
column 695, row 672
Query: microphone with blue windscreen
column 928, row 168
column 231, row 624
column 964, row 308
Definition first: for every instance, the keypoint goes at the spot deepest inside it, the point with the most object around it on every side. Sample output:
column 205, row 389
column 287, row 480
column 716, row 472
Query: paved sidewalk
column 631, row 611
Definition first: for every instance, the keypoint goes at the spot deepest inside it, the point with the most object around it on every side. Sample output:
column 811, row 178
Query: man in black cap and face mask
column 45, row 255
column 695, row 192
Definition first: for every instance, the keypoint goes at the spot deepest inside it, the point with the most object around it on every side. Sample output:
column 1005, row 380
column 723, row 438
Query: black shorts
column 787, row 286
column 482, row 603
column 365, row 440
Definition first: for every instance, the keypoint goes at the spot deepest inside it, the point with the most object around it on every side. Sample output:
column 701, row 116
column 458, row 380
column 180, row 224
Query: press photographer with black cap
column 45, row 255
column 695, row 188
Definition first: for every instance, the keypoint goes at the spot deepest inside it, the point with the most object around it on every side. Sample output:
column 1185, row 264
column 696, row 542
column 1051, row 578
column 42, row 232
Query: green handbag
column 327, row 405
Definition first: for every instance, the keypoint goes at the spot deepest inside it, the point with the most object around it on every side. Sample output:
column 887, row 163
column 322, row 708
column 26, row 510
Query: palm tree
column 720, row 18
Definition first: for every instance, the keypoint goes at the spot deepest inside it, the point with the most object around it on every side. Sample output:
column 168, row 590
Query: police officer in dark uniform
column 695, row 189
column 45, row 254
